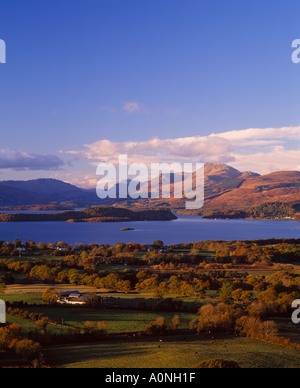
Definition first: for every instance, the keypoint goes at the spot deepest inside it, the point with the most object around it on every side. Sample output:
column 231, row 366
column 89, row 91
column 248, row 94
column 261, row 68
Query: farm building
column 78, row 298
column 71, row 297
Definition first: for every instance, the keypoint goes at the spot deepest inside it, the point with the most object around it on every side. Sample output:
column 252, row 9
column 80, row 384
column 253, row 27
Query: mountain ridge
column 43, row 191
column 225, row 187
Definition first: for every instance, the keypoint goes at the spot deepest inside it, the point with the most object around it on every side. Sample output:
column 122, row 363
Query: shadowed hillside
column 43, row 191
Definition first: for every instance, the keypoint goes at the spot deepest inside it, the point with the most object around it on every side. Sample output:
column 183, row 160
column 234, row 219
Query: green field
column 40, row 288
column 173, row 352
column 117, row 321
column 32, row 294
column 26, row 298
column 134, row 300
column 28, row 326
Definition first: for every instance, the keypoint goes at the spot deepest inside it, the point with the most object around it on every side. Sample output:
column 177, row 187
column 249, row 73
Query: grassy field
column 32, row 294
column 26, row 298
column 40, row 288
column 117, row 321
column 134, row 300
column 173, row 352
column 123, row 320
column 28, row 326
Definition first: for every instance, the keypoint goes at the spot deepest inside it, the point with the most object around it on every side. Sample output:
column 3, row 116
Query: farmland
column 158, row 306
column 174, row 352
column 117, row 321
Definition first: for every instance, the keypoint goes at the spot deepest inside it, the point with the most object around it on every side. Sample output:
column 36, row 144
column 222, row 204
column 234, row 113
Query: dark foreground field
column 173, row 352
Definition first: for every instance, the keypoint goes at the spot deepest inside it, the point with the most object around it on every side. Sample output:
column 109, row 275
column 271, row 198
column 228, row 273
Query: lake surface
column 183, row 230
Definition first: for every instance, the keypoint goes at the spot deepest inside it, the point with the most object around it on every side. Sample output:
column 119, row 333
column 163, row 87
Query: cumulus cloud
column 18, row 160
column 260, row 150
column 202, row 149
column 262, row 134
column 275, row 159
column 265, row 150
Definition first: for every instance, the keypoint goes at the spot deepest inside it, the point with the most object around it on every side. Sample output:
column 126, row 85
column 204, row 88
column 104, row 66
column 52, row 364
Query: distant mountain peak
column 219, row 172
column 249, row 174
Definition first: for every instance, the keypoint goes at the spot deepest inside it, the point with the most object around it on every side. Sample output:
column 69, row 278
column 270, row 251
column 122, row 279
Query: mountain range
column 225, row 187
column 248, row 189
column 44, row 191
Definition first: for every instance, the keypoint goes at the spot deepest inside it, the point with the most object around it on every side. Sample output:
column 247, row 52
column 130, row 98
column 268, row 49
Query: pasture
column 173, row 352
column 117, row 321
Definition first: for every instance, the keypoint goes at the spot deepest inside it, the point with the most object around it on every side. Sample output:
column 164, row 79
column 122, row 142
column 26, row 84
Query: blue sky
column 129, row 71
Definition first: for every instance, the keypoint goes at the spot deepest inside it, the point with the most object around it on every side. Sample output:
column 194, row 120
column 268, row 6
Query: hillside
column 228, row 188
column 10, row 196
column 225, row 188
column 276, row 187
column 215, row 173
column 43, row 191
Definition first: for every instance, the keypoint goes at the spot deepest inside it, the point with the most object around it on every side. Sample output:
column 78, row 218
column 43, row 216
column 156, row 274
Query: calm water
column 185, row 229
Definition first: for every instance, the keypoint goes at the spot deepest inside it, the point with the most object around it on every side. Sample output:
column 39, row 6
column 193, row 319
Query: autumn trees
column 13, row 340
column 2, row 286
column 162, row 326
column 256, row 328
column 219, row 318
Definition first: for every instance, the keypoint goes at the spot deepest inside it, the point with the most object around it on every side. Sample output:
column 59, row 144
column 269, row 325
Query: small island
column 127, row 229
column 94, row 214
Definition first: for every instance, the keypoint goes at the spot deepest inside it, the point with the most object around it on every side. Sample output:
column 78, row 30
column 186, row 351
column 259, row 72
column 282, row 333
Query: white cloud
column 259, row 150
column 276, row 159
column 265, row 150
column 201, row 149
column 257, row 134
